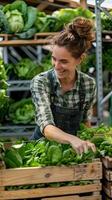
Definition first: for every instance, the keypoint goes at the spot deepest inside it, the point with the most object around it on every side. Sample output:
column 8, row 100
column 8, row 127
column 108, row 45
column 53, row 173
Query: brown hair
column 77, row 36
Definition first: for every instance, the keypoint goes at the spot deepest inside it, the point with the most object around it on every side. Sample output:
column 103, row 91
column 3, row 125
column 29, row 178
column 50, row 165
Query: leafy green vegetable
column 3, row 75
column 19, row 5
column 15, row 21
column 12, row 158
column 27, row 69
column 22, row 112
column 66, row 15
column 107, row 59
column 27, row 34
column 106, row 21
column 54, row 154
column 3, row 84
column 31, row 17
column 4, row 27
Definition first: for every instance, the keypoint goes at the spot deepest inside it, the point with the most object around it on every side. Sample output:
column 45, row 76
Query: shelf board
column 23, row 42
column 12, row 40
column 40, row 38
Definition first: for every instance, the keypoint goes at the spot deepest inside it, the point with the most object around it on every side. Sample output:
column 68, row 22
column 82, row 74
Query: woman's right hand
column 81, row 146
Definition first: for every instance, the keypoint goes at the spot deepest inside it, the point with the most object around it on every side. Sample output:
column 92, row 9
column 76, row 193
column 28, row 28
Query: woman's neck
column 68, row 84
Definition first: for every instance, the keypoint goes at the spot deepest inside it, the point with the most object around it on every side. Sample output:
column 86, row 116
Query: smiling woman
column 63, row 96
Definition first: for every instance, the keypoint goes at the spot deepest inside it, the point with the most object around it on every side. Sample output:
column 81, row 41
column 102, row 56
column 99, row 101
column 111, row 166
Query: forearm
column 53, row 133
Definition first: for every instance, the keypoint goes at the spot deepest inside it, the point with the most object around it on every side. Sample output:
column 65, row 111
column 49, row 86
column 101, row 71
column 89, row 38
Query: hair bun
column 82, row 27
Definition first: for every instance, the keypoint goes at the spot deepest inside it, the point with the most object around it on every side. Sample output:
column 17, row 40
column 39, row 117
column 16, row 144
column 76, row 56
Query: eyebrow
column 60, row 59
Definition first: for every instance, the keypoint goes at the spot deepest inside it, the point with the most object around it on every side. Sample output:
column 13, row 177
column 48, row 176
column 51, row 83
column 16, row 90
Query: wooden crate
column 51, row 174
column 107, row 162
column 107, row 176
column 107, row 188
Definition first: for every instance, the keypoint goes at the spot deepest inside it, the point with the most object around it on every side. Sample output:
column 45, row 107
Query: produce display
column 24, row 21
column 4, row 100
column 25, row 153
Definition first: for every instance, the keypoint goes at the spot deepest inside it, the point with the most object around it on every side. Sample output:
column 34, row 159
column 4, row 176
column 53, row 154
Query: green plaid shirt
column 40, row 89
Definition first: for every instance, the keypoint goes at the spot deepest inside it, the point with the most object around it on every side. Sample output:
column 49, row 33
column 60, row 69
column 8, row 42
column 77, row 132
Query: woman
column 63, row 96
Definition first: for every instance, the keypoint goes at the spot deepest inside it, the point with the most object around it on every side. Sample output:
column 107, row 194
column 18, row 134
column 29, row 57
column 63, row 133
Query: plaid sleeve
column 88, row 108
column 41, row 98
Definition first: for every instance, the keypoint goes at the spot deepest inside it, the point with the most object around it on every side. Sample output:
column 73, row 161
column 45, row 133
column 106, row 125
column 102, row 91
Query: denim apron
column 67, row 119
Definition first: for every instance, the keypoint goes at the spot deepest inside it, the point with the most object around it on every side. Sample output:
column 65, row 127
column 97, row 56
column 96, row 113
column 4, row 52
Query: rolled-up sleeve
column 41, row 97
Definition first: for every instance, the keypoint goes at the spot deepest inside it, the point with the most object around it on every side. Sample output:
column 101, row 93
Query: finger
column 81, row 149
column 78, row 150
column 91, row 146
column 85, row 148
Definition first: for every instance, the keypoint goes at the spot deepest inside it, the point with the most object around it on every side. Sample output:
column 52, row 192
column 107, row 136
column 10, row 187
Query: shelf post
column 99, row 72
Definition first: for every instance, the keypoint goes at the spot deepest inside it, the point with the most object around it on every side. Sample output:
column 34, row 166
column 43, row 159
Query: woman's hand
column 81, row 146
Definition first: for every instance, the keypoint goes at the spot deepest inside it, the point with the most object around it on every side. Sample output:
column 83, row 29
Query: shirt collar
column 76, row 84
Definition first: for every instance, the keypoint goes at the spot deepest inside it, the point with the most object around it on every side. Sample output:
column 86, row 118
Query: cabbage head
column 15, row 21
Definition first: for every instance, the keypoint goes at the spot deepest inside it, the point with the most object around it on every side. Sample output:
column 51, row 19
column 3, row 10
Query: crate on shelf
column 53, row 174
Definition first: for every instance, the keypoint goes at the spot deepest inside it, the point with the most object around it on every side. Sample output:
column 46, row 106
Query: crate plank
column 55, row 191
column 32, row 175
column 75, row 198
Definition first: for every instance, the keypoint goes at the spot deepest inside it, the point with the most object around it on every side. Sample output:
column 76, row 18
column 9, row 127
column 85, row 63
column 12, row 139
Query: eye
column 64, row 61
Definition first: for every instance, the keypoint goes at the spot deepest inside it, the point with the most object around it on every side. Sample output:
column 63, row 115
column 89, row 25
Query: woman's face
column 64, row 63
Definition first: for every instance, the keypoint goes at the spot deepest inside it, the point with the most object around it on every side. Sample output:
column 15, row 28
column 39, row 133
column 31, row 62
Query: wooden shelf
column 40, row 38
column 12, row 40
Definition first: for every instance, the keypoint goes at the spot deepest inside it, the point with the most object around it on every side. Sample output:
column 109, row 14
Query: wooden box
column 107, row 162
column 107, row 176
column 53, row 174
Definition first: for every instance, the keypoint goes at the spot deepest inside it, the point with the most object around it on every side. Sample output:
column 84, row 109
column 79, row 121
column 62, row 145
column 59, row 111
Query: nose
column 57, row 65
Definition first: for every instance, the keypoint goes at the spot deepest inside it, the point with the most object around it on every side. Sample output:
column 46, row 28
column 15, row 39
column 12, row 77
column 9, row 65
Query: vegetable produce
column 107, row 59
column 3, row 75
column 19, row 5
column 4, row 27
column 3, row 84
column 45, row 153
column 66, row 15
column 22, row 112
column 15, row 21
column 27, row 34
column 54, row 154
column 12, row 158
column 27, row 69
column 106, row 21
column 31, row 17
